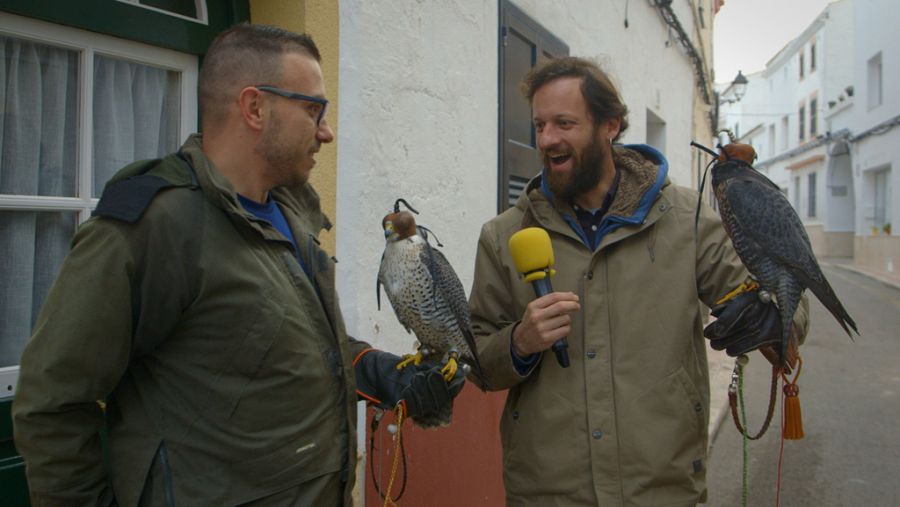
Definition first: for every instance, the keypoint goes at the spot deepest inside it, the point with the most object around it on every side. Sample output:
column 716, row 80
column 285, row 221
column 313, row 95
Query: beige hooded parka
column 626, row 423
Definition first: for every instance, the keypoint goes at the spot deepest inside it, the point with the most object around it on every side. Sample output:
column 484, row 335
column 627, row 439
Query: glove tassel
column 793, row 419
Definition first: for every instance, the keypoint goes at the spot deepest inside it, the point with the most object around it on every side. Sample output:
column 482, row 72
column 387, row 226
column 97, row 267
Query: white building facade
column 822, row 121
column 874, row 142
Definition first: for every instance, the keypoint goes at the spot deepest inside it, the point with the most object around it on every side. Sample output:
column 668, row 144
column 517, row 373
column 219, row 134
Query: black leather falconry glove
column 747, row 322
column 422, row 391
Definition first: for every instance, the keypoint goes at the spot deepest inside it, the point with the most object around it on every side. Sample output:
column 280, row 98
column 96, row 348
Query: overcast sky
column 747, row 33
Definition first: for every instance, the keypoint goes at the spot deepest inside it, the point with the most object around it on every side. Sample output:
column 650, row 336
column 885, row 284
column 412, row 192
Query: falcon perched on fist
column 770, row 239
column 426, row 295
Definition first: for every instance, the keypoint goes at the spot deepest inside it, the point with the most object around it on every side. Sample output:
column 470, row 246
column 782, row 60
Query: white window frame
column 202, row 13
column 88, row 44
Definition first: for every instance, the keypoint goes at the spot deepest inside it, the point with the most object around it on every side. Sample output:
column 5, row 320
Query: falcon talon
column 414, row 359
column 449, row 370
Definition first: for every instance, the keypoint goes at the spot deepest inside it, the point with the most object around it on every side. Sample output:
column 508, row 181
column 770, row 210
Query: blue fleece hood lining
column 613, row 222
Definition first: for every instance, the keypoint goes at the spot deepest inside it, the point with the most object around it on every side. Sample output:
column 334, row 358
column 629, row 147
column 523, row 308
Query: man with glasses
column 196, row 316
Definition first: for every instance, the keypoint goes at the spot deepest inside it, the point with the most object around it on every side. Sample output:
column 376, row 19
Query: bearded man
column 626, row 423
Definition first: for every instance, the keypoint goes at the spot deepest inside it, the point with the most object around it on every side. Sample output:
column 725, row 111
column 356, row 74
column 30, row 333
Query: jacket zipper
column 167, row 475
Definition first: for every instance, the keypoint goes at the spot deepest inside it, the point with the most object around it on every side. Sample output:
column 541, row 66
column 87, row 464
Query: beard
column 281, row 155
column 585, row 174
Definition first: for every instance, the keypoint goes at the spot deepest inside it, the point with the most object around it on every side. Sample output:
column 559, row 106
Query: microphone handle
column 543, row 287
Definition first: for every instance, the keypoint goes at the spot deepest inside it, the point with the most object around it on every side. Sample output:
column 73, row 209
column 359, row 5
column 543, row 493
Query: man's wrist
column 523, row 363
column 514, row 344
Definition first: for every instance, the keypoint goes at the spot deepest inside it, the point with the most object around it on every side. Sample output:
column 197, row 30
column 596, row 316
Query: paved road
column 850, row 397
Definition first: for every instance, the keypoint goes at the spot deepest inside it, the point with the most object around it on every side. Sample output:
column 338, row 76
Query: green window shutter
column 523, row 44
column 133, row 22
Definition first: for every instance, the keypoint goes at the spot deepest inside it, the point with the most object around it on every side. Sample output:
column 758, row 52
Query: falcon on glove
column 747, row 322
column 771, row 241
column 426, row 295
column 420, row 390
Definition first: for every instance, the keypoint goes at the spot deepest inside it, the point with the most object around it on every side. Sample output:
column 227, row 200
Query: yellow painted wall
column 320, row 19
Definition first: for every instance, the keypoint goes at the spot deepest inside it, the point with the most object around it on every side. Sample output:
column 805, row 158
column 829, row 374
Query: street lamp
column 738, row 88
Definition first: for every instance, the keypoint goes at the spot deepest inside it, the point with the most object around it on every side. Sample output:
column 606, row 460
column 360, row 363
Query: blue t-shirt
column 270, row 212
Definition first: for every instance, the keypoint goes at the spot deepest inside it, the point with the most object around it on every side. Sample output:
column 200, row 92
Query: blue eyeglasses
column 323, row 103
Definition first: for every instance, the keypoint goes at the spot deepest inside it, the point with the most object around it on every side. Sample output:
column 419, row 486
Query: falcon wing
column 767, row 219
column 446, row 284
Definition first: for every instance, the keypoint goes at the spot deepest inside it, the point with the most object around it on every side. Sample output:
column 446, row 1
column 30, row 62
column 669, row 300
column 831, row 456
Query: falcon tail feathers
column 472, row 360
column 825, row 294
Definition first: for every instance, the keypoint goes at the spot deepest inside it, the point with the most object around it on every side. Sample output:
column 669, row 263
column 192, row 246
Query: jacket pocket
column 664, row 432
column 544, row 444
column 248, row 354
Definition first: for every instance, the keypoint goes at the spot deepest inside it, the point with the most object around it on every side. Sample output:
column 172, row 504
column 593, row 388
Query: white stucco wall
column 650, row 68
column 418, row 121
column 836, row 58
column 876, row 32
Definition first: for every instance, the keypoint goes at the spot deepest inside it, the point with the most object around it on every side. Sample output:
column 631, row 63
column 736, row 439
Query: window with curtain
column 135, row 115
column 76, row 107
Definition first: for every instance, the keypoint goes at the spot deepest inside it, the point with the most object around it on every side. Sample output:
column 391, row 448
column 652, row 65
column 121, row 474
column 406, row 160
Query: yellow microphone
column 532, row 254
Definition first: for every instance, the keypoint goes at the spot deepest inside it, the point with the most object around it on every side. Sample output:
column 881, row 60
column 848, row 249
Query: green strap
column 744, row 436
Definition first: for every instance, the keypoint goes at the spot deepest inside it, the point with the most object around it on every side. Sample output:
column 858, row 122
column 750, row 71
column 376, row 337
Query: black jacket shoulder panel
column 127, row 199
column 129, row 193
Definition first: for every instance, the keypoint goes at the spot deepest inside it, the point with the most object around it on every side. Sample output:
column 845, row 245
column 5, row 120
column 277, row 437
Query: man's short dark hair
column 602, row 97
column 245, row 55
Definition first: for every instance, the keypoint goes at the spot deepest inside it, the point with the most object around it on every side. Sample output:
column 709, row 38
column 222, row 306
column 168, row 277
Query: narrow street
column 849, row 396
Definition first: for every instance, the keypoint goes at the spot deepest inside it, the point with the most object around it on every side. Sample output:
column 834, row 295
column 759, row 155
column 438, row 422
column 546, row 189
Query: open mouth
column 559, row 160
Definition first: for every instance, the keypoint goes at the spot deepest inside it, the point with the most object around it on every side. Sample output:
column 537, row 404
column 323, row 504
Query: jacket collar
column 300, row 202
column 643, row 173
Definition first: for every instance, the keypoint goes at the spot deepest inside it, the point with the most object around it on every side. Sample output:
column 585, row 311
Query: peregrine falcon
column 426, row 294
column 770, row 238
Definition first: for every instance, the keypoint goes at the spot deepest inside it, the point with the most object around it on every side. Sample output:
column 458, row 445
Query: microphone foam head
column 531, row 252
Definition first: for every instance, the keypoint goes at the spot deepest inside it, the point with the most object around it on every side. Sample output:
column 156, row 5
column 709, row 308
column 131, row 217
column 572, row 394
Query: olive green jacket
column 226, row 370
column 626, row 423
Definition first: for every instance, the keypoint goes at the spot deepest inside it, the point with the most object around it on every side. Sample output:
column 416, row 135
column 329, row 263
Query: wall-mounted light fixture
column 735, row 93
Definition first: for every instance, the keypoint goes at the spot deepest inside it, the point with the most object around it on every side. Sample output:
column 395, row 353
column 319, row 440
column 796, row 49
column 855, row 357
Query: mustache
column 586, row 172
